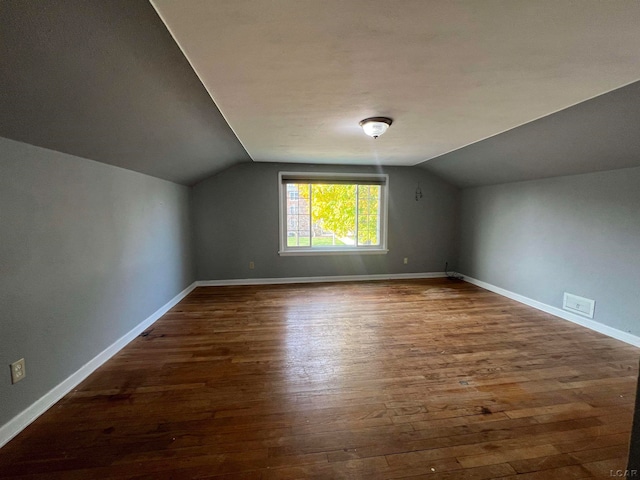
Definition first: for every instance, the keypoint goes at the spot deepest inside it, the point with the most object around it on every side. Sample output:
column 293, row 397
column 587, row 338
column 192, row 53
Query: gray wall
column 634, row 447
column 579, row 234
column 88, row 251
column 106, row 80
column 236, row 221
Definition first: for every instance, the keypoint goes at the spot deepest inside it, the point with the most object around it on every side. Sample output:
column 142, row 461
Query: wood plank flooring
column 375, row 380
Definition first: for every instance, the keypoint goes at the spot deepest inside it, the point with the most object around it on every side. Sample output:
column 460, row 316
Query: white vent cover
column 580, row 305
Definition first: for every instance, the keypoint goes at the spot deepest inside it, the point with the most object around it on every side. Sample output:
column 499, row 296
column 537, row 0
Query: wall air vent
column 580, row 305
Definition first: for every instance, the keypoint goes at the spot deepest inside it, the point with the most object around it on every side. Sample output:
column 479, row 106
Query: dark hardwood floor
column 376, row 380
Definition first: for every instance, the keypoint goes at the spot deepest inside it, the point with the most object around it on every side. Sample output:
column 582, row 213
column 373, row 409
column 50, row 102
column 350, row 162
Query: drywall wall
column 107, row 81
column 578, row 234
column 634, row 447
column 88, row 251
column 236, row 221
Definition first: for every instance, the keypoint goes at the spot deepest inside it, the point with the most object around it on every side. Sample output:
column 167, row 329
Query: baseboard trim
column 12, row 428
column 584, row 322
column 336, row 278
column 18, row 423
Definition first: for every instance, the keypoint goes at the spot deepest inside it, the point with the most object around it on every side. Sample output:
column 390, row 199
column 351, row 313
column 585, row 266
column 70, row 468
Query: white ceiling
column 294, row 77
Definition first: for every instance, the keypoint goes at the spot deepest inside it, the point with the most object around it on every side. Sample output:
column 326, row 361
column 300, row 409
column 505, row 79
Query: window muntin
column 332, row 213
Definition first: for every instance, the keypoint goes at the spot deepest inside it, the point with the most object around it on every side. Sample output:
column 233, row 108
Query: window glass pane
column 374, row 229
column 368, row 210
column 373, row 237
column 362, row 202
column 333, row 214
column 303, row 241
column 363, row 229
column 297, row 209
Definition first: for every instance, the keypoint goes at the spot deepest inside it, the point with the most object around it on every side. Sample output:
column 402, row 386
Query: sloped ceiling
column 473, row 87
column 596, row 135
column 105, row 80
column 294, row 77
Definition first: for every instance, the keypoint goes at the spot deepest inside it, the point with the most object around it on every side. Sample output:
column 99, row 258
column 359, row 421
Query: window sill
column 323, row 251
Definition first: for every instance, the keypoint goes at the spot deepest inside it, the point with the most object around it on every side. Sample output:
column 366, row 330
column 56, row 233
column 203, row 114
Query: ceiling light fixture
column 375, row 126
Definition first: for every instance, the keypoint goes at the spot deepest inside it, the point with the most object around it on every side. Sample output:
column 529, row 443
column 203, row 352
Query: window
column 325, row 213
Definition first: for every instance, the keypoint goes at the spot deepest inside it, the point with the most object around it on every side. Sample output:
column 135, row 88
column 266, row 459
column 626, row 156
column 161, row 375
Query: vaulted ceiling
column 104, row 80
column 480, row 92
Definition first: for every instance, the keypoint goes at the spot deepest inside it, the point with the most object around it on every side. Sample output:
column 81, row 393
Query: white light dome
column 375, row 126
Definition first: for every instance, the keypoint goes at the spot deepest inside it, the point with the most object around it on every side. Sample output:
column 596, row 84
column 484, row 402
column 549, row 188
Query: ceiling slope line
column 195, row 70
column 527, row 122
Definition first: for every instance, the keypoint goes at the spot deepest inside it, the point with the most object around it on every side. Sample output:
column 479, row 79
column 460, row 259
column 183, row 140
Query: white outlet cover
column 18, row 371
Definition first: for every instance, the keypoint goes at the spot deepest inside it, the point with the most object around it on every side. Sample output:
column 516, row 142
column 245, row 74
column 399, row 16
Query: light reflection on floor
column 320, row 344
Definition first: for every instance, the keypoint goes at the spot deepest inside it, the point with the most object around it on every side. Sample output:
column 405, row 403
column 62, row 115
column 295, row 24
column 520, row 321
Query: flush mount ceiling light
column 375, row 126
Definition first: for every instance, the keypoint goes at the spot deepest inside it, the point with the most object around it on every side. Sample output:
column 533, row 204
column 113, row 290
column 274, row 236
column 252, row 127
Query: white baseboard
column 27, row 416
column 585, row 322
column 336, row 278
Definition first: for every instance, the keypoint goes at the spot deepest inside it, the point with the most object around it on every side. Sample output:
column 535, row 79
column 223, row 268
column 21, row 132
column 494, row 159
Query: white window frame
column 381, row 249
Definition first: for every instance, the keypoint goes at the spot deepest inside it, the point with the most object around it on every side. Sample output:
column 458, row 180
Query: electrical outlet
column 18, row 371
column 252, row 265
column 406, row 260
